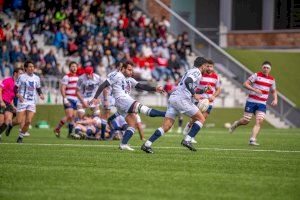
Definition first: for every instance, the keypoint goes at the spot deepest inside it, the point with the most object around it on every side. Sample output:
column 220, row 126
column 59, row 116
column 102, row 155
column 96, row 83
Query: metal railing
column 202, row 45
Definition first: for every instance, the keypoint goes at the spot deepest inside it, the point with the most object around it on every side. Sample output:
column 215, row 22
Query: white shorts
column 26, row 106
column 180, row 105
column 123, row 104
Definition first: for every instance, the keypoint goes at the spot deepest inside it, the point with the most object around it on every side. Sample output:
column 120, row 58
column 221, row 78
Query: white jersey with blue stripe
column 181, row 90
column 27, row 85
column 120, row 85
column 87, row 86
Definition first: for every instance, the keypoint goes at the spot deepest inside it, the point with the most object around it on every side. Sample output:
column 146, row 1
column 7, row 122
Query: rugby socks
column 103, row 128
column 197, row 125
column 112, row 117
column 7, row 131
column 2, row 128
column 60, row 124
column 180, row 122
column 159, row 132
column 127, row 135
column 77, row 130
column 71, row 127
column 156, row 113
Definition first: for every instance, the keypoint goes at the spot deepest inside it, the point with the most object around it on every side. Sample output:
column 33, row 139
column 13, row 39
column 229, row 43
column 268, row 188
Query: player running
column 27, row 85
column 259, row 84
column 7, row 108
column 68, row 92
column 121, row 83
column 210, row 84
column 181, row 101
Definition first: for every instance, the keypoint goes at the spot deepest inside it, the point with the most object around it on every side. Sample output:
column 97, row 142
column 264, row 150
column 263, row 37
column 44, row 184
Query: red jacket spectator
column 2, row 34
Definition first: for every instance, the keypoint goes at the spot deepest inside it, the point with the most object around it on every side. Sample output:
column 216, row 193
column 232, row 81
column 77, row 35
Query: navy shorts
column 252, row 107
column 73, row 104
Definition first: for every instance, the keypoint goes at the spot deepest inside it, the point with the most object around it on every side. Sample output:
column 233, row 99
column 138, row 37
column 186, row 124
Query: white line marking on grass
column 114, row 146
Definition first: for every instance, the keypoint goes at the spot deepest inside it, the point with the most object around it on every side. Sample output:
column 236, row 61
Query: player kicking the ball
column 181, row 101
column 259, row 86
column 121, row 83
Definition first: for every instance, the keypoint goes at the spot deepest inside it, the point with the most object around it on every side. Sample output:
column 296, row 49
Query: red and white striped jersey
column 209, row 79
column 263, row 83
column 70, row 81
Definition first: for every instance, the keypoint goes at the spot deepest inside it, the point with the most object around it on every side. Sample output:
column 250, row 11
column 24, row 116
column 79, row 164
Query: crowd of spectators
column 95, row 33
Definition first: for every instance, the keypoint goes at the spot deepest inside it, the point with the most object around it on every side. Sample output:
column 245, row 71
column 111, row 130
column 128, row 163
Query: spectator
column 50, row 58
column 5, row 61
column 108, row 61
column 174, row 67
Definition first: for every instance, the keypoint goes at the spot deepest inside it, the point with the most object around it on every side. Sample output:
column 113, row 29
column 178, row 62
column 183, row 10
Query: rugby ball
column 203, row 105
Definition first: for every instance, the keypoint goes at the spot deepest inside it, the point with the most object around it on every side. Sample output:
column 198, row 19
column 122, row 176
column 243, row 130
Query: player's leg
column 248, row 113
column 151, row 112
column 199, row 120
column 180, row 122
column 259, row 119
column 21, row 116
column 8, row 118
column 90, row 132
column 139, row 126
column 131, row 121
column 69, row 117
column 97, row 112
column 166, row 126
column 80, row 111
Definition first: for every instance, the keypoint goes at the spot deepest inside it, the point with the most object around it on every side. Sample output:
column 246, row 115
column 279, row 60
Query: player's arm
column 216, row 94
column 40, row 93
column 189, row 84
column 79, row 96
column 105, row 96
column 248, row 86
column 18, row 95
column 275, row 96
column 63, row 88
column 149, row 88
column 104, row 85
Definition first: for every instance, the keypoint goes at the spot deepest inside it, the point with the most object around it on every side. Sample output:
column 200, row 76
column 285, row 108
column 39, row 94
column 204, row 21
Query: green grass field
column 285, row 68
column 224, row 167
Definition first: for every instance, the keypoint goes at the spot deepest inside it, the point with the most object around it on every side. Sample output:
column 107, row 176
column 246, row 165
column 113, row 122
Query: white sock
column 148, row 143
column 188, row 138
column 252, row 139
column 21, row 135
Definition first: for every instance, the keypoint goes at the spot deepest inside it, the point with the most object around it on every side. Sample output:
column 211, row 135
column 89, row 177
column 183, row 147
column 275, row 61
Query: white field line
column 115, row 146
